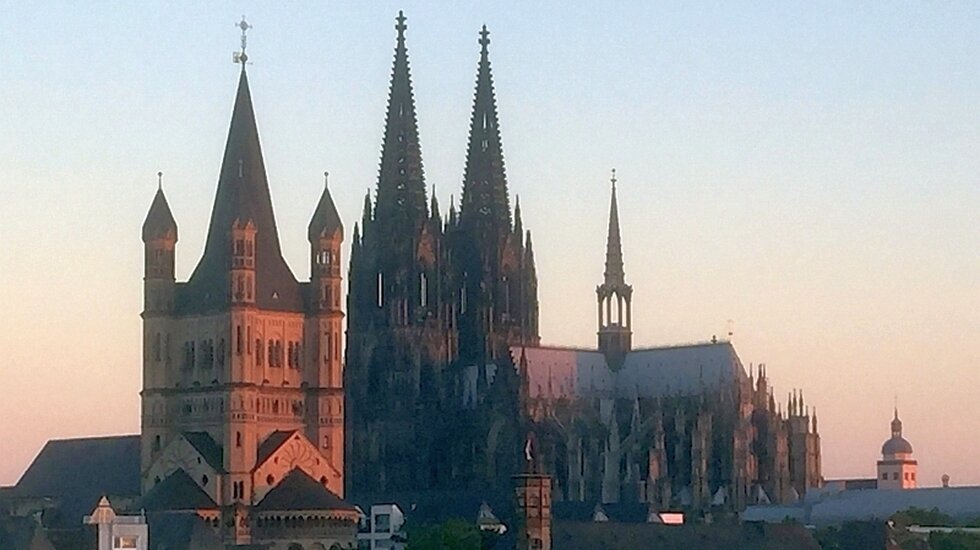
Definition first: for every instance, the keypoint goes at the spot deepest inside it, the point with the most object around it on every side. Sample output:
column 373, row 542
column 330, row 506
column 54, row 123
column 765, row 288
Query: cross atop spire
column 613, row 179
column 484, row 39
column 401, row 27
column 159, row 181
column 241, row 57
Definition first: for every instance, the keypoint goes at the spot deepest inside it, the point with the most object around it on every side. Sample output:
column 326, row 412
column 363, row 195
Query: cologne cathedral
column 447, row 383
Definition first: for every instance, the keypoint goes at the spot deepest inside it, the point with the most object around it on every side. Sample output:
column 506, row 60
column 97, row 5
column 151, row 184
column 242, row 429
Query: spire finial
column 400, row 26
column 613, row 179
column 159, row 181
column 326, row 176
column 484, row 38
column 241, row 57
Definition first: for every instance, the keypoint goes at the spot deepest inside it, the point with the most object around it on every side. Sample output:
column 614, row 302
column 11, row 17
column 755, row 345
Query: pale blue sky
column 809, row 170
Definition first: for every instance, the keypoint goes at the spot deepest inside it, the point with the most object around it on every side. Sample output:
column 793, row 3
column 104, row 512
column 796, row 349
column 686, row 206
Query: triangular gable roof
column 298, row 491
column 208, row 448
column 159, row 220
column 175, row 493
column 78, row 472
column 275, row 440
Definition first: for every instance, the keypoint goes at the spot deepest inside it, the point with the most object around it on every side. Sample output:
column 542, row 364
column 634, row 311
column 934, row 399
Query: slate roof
column 78, row 472
column 895, row 445
column 177, row 492
column 181, row 530
column 958, row 502
column 649, row 372
column 209, row 449
column 325, row 220
column 831, row 506
column 159, row 220
column 298, row 491
column 242, row 196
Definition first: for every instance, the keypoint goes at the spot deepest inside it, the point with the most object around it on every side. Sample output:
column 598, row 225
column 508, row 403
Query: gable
column 292, row 451
column 181, row 454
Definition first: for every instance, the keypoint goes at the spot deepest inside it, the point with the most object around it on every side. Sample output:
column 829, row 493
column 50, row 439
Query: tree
column 920, row 516
column 454, row 534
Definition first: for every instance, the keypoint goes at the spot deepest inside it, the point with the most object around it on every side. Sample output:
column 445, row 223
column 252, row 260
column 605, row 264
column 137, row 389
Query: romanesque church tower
column 242, row 372
column 431, row 302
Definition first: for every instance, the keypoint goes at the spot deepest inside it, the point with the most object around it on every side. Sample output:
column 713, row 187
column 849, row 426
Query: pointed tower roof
column 485, row 201
column 242, row 197
column 401, row 181
column 614, row 274
column 434, row 206
column 326, row 220
column 159, row 220
column 529, row 255
column 518, row 223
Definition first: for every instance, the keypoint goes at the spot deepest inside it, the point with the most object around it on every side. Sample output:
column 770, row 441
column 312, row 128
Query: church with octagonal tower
column 243, row 398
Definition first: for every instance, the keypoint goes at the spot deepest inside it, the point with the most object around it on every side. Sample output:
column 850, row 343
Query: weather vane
column 241, row 57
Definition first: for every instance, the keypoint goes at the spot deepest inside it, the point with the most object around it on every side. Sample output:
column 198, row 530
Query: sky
column 804, row 172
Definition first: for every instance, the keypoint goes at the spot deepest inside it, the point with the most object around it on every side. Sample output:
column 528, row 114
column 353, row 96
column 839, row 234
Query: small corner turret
column 159, row 244
column 326, row 233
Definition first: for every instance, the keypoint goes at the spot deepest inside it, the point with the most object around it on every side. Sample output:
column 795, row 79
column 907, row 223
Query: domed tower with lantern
column 896, row 469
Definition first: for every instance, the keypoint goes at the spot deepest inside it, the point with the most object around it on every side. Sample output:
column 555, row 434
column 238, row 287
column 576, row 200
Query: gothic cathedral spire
column 614, row 296
column 485, row 203
column 401, row 182
column 614, row 274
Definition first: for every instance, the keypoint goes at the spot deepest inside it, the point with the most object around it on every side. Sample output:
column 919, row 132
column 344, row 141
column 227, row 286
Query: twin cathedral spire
column 422, row 268
column 434, row 303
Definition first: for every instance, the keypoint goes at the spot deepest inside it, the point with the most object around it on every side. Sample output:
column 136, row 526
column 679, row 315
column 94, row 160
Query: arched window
column 381, row 290
column 156, row 443
column 238, row 340
column 238, row 439
column 423, row 290
column 269, row 479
